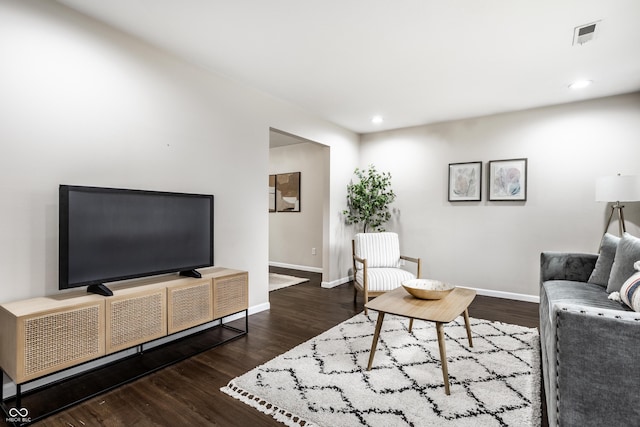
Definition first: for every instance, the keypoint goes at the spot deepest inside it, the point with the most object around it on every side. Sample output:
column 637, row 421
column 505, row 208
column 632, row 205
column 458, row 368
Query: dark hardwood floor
column 187, row 393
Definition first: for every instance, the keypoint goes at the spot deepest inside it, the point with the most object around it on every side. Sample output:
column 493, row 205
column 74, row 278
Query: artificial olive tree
column 368, row 199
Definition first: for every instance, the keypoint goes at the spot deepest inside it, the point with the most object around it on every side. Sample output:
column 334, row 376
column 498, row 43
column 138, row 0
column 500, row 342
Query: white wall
column 496, row 245
column 293, row 235
column 84, row 104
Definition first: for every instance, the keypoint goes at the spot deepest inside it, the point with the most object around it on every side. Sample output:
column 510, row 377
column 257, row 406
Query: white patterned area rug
column 324, row 381
column 279, row 281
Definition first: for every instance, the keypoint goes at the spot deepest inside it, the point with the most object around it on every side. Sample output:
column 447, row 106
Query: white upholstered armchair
column 376, row 264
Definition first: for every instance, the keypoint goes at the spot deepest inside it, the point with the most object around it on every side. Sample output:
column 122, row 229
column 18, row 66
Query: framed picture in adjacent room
column 465, row 181
column 288, row 192
column 272, row 193
column 508, row 180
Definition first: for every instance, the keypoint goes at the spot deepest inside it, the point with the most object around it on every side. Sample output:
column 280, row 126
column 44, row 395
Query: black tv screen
column 110, row 234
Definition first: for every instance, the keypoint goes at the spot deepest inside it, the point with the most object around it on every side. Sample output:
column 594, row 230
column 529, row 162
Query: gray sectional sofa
column 590, row 344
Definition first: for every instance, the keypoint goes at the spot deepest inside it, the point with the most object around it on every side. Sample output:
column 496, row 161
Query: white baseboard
column 335, row 283
column 507, row 295
column 479, row 291
column 296, row 267
column 256, row 309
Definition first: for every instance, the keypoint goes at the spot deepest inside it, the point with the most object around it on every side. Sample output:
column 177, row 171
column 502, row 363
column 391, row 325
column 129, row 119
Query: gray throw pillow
column 600, row 274
column 627, row 254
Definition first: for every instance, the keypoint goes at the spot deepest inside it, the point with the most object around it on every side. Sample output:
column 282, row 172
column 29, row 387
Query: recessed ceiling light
column 376, row 120
column 580, row 84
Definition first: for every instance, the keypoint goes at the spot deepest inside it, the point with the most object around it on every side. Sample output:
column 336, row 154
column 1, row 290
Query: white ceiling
column 411, row 61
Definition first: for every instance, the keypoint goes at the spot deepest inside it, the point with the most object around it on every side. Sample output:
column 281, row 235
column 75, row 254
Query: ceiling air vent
column 585, row 33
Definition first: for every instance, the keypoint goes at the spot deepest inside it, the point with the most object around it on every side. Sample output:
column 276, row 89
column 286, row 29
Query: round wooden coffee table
column 440, row 311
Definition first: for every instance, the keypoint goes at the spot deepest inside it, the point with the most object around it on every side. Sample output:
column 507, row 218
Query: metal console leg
column 14, row 415
column 18, row 396
column 2, row 404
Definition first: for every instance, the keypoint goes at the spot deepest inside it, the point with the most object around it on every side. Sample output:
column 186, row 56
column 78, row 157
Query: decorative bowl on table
column 427, row 289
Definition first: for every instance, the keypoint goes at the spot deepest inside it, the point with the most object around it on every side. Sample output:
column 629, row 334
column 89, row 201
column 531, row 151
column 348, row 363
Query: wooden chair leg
column 366, row 300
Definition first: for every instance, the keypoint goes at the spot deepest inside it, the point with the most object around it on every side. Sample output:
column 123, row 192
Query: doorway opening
column 298, row 239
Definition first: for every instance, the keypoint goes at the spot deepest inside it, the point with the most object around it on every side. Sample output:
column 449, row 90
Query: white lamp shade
column 618, row 188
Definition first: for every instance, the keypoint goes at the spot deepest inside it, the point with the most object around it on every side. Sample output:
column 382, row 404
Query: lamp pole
column 621, row 225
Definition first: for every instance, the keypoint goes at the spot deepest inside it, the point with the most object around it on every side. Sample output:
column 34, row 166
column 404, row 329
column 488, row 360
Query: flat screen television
column 111, row 234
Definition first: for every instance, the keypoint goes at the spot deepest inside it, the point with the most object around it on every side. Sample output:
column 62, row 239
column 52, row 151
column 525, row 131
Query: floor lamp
column 616, row 189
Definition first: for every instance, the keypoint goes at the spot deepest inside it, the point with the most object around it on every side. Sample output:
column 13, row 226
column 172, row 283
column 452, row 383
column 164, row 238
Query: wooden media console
column 47, row 335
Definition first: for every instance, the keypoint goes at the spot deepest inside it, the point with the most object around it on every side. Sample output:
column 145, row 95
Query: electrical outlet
column 313, row 251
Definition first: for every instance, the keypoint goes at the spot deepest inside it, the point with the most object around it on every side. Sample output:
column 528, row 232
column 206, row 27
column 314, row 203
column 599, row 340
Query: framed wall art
column 272, row 193
column 508, row 180
column 288, row 192
column 465, row 181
